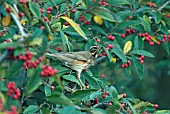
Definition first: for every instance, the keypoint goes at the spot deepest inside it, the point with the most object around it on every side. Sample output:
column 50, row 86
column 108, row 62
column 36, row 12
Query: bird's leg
column 78, row 77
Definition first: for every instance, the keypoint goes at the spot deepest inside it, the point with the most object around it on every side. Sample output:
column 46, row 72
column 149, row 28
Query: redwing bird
column 78, row 60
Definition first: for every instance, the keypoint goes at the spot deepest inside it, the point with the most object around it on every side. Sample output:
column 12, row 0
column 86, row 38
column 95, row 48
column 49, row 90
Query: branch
column 99, row 60
column 64, row 13
column 164, row 5
column 6, row 53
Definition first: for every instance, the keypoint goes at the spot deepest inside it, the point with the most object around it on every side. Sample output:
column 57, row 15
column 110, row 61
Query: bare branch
column 6, row 53
column 164, row 5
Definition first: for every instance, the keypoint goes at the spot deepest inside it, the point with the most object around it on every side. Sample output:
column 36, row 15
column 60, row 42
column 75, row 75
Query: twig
column 64, row 13
column 6, row 53
column 100, row 105
column 99, row 60
column 164, row 5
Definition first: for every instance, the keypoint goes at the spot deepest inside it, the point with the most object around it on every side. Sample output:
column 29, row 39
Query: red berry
column 103, row 95
column 42, row 11
column 10, row 48
column 151, row 43
column 48, row 12
column 59, row 49
column 45, row 19
column 126, row 65
column 21, row 14
column 109, row 36
column 168, row 15
column 123, row 35
column 122, row 66
column 73, row 11
column 52, row 87
column 106, row 4
column 100, row 55
column 123, row 104
column 104, row 53
column 66, row 23
column 106, row 93
column 109, row 103
column 42, row 27
column 102, row 75
column 23, row 1
column 156, row 106
column 110, row 46
column 152, row 5
column 124, row 95
column 142, row 56
column 8, row 10
column 49, row 8
column 158, row 43
column 15, row 97
column 130, row 17
column 87, row 22
column 141, row 62
column 164, row 36
column 98, row 40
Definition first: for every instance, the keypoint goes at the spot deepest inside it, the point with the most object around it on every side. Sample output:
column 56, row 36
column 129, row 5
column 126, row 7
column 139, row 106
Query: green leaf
column 34, row 81
column 97, row 29
column 80, row 94
column 74, row 2
column 35, row 10
column 138, row 67
column 14, row 69
column 2, row 72
column 166, row 46
column 47, row 90
column 89, row 44
column 45, row 110
column 138, row 43
column 62, row 100
column 92, row 81
column 118, row 2
column 127, row 23
column 113, row 92
column 98, row 111
column 2, row 6
column 43, row 45
column 118, row 51
column 12, row 44
column 31, row 109
column 104, row 15
column 162, row 112
column 108, row 54
column 157, row 16
column 71, row 78
column 70, row 110
column 145, row 24
column 132, row 108
column 63, row 37
column 75, row 26
column 142, row 52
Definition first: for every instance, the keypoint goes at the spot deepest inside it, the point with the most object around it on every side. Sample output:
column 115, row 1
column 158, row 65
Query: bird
column 78, row 61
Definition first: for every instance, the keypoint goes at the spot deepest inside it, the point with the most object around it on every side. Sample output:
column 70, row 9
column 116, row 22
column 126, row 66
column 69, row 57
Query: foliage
column 124, row 29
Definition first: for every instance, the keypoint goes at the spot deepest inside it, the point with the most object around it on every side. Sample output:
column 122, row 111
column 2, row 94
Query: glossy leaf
column 127, row 47
column 34, row 9
column 31, row 109
column 75, row 26
column 142, row 52
column 138, row 67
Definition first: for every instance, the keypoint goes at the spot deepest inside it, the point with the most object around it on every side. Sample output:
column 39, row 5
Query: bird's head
column 94, row 50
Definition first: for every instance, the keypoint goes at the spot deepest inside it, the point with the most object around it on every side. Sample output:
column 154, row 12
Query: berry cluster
column 165, row 38
column 128, row 63
column 103, row 2
column 109, row 46
column 141, row 59
column 13, row 110
column 48, row 71
column 148, row 38
column 104, row 95
column 49, row 10
column 128, row 32
column 82, row 19
column 31, row 64
column 110, row 37
column 151, row 4
column 12, row 89
column 23, row 1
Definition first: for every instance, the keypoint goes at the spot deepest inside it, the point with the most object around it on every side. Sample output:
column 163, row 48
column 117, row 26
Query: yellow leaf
column 75, row 26
column 127, row 47
column 154, row 39
column 114, row 60
column 98, row 20
column 6, row 20
column 23, row 22
column 36, row 41
column 50, row 37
